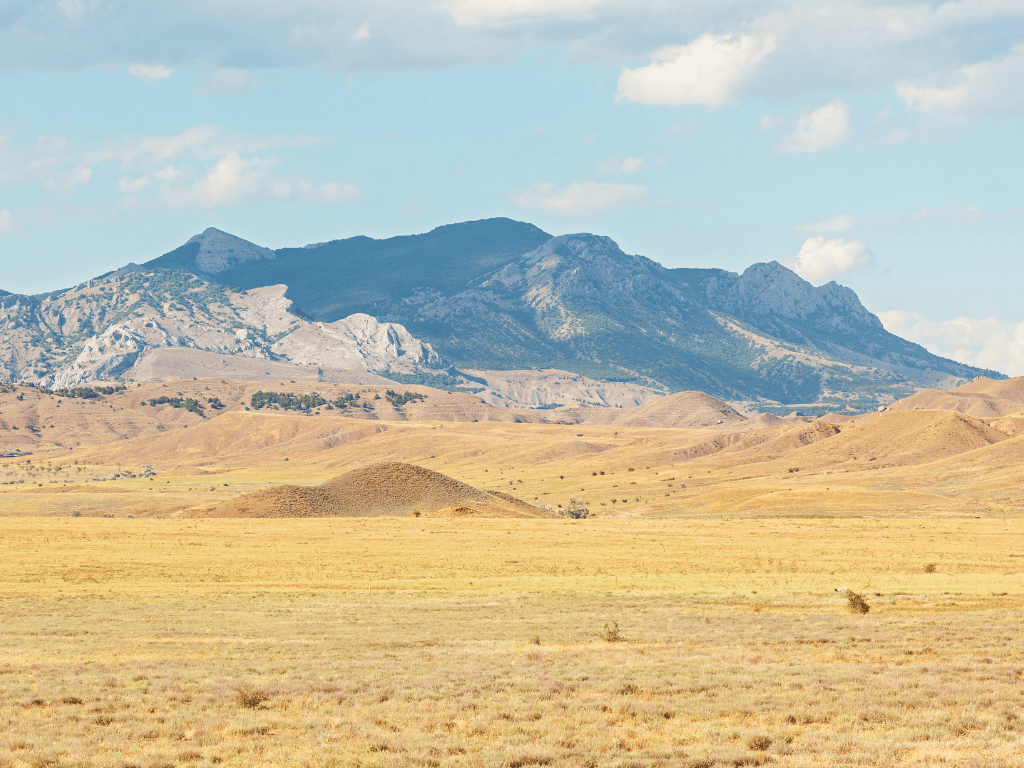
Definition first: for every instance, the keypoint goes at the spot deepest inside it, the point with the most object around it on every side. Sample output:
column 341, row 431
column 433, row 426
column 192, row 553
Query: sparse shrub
column 71, row 700
column 857, row 602
column 930, row 568
column 612, row 633
column 251, row 698
column 759, row 743
column 577, row 509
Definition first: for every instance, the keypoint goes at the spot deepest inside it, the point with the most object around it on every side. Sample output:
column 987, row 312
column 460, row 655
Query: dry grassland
column 603, row 642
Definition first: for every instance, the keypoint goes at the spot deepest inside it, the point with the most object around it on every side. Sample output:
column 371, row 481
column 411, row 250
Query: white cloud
column 211, row 169
column 982, row 342
column 149, row 71
column 839, row 223
column 234, row 180
column 632, row 165
column 6, row 221
column 820, row 259
column 988, row 86
column 501, row 12
column 167, row 173
column 951, row 214
column 133, row 185
column 67, row 180
column 226, row 81
column 330, row 192
column 73, row 9
column 707, row 71
column 578, row 198
column 363, row 33
column 929, row 48
column 616, row 164
column 824, row 128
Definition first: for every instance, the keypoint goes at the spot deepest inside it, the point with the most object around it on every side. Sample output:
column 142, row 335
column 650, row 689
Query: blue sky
column 874, row 143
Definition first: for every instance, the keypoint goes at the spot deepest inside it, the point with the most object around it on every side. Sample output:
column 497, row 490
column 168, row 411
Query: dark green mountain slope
column 333, row 280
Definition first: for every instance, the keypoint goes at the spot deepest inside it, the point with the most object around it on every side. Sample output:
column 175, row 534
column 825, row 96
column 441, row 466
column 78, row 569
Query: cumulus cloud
column 820, row 259
column 824, row 128
column 578, row 198
column 982, row 342
column 234, row 180
column 149, row 71
column 929, row 48
column 616, row 164
column 985, row 87
column 210, row 169
column 707, row 71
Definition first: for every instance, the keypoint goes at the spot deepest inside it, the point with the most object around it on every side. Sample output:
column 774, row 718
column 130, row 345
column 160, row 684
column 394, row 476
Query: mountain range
column 487, row 295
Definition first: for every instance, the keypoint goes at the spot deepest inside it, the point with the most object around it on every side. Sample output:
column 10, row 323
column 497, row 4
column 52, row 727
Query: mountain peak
column 219, row 251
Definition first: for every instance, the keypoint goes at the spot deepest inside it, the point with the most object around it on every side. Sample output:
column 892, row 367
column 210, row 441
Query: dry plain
column 678, row 626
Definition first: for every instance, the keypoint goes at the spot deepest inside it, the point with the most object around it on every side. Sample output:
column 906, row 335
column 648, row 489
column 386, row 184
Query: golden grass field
column 692, row 626
column 403, row 641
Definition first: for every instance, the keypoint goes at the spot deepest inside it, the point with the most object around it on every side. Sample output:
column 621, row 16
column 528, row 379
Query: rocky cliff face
column 578, row 302
column 100, row 329
column 773, row 291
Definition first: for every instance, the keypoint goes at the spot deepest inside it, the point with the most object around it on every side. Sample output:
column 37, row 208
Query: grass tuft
column 251, row 698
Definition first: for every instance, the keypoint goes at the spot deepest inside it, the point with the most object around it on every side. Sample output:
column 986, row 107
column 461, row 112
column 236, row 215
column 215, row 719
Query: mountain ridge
column 498, row 294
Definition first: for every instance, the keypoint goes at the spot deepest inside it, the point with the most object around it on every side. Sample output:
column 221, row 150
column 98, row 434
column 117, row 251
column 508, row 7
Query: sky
column 877, row 144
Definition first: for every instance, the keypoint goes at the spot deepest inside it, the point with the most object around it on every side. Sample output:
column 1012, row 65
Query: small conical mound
column 378, row 490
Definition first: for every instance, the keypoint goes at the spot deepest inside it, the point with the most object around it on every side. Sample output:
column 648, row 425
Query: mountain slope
column 578, row 302
column 501, row 294
column 102, row 328
column 336, row 279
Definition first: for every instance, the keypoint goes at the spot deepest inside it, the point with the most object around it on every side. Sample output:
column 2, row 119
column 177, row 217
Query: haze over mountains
column 481, row 296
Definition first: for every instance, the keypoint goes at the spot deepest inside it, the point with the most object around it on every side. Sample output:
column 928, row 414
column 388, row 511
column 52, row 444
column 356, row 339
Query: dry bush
column 251, row 698
column 612, row 633
column 930, row 568
column 759, row 743
column 857, row 602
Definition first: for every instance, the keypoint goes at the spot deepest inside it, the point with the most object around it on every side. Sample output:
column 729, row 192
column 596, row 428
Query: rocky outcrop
column 101, row 329
column 773, row 290
column 358, row 342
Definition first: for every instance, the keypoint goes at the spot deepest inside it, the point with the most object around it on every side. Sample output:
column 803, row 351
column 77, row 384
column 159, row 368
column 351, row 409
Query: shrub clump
column 577, row 509
column 857, row 602
column 251, row 698
column 612, row 633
